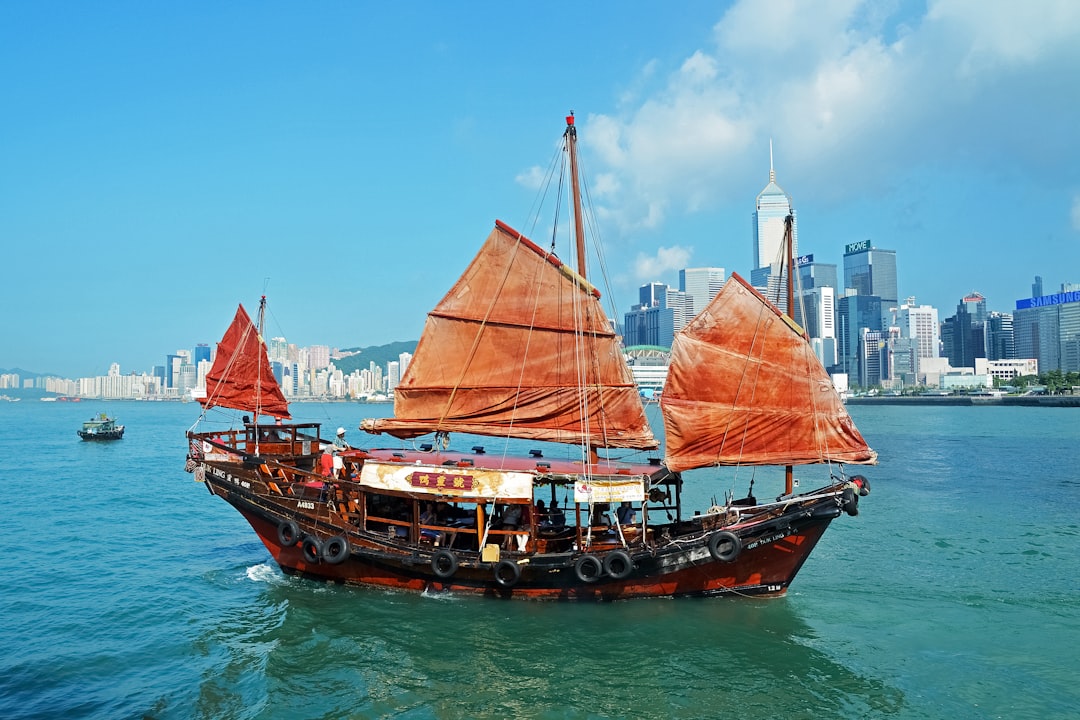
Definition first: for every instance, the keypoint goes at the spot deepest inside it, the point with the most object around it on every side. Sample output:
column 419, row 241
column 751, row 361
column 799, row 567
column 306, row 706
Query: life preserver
column 312, row 549
column 336, row 549
column 444, row 564
column 507, row 573
column 288, row 532
column 725, row 546
column 851, row 501
column 588, row 568
column 618, row 564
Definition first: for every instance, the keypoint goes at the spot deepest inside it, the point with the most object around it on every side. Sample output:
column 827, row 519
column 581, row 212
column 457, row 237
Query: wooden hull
column 772, row 552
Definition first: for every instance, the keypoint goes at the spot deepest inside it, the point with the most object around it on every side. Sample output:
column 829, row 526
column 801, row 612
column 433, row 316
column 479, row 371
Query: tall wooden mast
column 575, row 189
column 789, row 270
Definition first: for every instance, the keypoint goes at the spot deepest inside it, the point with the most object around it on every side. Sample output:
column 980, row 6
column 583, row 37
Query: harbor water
column 130, row 592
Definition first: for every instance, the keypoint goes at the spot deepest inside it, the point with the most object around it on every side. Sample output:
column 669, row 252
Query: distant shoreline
column 1007, row 400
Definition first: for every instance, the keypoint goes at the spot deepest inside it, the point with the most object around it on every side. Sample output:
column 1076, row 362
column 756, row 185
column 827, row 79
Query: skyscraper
column 920, row 323
column 773, row 205
column 701, row 284
column 872, row 271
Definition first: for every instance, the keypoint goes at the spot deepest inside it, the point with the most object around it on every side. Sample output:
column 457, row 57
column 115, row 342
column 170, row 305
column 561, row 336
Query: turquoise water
column 130, row 592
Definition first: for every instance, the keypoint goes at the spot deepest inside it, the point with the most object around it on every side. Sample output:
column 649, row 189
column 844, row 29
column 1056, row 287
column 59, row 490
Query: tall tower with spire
column 773, row 205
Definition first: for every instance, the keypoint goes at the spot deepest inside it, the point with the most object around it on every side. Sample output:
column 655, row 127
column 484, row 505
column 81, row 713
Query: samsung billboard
column 1055, row 299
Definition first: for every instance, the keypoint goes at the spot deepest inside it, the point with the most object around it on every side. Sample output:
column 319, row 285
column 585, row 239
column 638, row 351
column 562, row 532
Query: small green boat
column 101, row 427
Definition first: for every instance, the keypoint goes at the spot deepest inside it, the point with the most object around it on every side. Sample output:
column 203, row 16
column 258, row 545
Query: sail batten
column 240, row 377
column 745, row 388
column 512, row 350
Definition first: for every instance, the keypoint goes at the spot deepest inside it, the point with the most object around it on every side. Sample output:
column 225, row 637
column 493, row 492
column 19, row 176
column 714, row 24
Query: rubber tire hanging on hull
column 618, row 564
column 288, row 532
column 851, row 501
column 336, row 549
column 725, row 546
column 507, row 573
column 313, row 549
column 588, row 568
column 444, row 564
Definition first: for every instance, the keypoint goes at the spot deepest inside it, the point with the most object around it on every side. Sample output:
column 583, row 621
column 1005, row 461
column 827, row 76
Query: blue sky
column 161, row 162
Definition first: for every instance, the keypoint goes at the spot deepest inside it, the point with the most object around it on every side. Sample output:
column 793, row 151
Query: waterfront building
column 815, row 274
column 1000, row 343
column 919, row 323
column 701, row 285
column 202, row 352
column 1047, row 328
column 649, row 366
column 873, row 358
column 772, row 206
column 319, row 357
column 855, row 313
column 1006, row 370
column 652, row 321
column 277, row 349
column 963, row 336
column 870, row 270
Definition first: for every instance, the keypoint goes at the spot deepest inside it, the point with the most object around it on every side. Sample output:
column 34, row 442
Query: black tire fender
column 507, row 573
column 618, row 564
column 588, row 568
column 336, row 549
column 851, row 501
column 444, row 564
column 725, row 546
column 288, row 532
column 313, row 549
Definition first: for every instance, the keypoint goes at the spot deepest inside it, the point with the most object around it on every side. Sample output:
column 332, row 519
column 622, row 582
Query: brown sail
column 240, row 377
column 520, row 347
column 745, row 387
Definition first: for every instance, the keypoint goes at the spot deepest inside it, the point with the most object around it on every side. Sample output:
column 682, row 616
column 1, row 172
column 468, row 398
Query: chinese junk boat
column 576, row 503
column 101, row 427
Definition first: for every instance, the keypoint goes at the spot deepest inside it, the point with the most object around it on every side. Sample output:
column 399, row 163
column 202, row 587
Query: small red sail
column 240, row 377
column 520, row 347
column 745, row 388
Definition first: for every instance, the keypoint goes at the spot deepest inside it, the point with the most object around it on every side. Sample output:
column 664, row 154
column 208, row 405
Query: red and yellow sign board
column 465, row 483
column 441, row 481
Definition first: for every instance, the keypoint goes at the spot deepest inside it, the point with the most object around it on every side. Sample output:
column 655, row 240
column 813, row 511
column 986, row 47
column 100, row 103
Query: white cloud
column 666, row 260
column 855, row 94
column 533, row 178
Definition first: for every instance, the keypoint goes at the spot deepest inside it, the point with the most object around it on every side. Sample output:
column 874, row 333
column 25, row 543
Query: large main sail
column 745, row 387
column 520, row 347
column 240, row 377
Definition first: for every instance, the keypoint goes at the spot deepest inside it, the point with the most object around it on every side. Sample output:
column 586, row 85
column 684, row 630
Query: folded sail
column 240, row 377
column 508, row 352
column 745, row 387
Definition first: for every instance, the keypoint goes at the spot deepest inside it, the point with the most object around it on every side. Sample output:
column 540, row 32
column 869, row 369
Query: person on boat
column 626, row 514
column 556, row 516
column 339, row 444
column 510, row 520
column 600, row 515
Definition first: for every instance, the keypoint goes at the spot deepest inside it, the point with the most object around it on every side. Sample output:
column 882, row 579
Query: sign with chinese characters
column 441, row 480
column 610, row 489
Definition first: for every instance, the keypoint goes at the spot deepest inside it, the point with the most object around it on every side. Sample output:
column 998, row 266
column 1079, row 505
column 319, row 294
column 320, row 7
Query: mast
column 789, row 267
column 575, row 190
column 579, row 222
column 258, row 397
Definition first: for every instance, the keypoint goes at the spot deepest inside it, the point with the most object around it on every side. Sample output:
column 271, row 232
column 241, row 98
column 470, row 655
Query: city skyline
column 345, row 158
